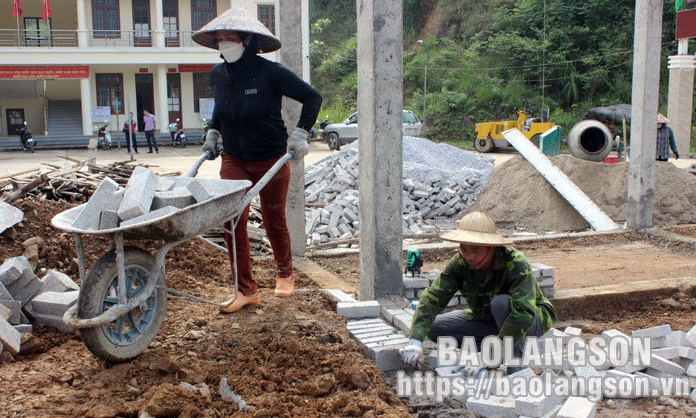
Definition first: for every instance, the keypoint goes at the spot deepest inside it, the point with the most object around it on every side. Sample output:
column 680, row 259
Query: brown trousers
column 273, row 197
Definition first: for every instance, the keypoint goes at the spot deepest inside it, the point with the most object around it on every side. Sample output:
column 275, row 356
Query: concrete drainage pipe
column 590, row 140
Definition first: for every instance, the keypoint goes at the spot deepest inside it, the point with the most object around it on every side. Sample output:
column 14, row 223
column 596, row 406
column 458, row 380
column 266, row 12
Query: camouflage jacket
column 510, row 274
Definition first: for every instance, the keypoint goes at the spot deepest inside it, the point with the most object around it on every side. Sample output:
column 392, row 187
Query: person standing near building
column 665, row 140
column 149, row 120
column 248, row 92
column 129, row 128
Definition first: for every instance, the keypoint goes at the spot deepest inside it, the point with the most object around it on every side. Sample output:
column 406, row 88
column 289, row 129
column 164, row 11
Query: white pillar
column 380, row 148
column 646, row 83
column 82, row 34
column 680, row 99
column 86, row 102
column 158, row 25
column 161, row 110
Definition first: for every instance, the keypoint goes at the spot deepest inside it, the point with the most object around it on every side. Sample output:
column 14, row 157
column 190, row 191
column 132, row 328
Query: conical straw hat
column 476, row 228
column 237, row 20
column 661, row 118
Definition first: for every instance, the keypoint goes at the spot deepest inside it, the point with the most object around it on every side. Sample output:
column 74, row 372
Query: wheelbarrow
column 123, row 297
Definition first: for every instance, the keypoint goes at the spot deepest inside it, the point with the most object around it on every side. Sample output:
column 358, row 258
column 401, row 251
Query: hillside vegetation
column 487, row 58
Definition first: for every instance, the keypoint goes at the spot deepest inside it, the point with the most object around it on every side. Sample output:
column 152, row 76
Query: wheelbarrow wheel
column 129, row 335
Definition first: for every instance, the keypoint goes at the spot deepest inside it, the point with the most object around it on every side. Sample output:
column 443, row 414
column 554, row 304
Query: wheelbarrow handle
column 207, row 155
column 251, row 193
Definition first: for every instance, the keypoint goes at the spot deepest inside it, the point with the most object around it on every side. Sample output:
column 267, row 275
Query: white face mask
column 231, row 51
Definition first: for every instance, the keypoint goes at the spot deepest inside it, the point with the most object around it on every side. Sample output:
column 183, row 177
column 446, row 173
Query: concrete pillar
column 158, row 25
column 646, row 83
column 161, row 111
column 380, row 147
column 680, row 99
column 86, row 102
column 82, row 36
column 290, row 55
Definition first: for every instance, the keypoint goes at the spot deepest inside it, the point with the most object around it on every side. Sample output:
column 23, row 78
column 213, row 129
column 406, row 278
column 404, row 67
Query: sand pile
column 516, row 195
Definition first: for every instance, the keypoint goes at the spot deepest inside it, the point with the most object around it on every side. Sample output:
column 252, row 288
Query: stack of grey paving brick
column 380, row 340
column 25, row 298
column 439, row 182
column 672, row 355
column 145, row 197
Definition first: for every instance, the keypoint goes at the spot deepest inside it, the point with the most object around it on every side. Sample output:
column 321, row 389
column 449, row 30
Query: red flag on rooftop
column 45, row 10
column 16, row 9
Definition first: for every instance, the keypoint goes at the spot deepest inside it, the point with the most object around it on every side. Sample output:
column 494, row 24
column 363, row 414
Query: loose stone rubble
column 25, row 298
column 439, row 182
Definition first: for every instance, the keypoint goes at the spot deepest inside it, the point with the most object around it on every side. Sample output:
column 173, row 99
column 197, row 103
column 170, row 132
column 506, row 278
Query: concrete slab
column 9, row 216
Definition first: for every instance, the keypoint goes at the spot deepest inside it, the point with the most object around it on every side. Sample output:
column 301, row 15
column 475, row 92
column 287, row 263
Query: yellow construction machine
column 489, row 137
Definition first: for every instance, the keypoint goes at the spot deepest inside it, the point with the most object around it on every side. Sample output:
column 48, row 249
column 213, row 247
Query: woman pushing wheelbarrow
column 248, row 91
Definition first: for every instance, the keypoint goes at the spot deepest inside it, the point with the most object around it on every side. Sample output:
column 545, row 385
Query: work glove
column 676, row 155
column 297, row 143
column 412, row 352
column 211, row 143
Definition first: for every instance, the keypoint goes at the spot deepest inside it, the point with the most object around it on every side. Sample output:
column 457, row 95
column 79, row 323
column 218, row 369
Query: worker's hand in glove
column 211, row 143
column 469, row 371
column 676, row 155
column 412, row 352
column 297, row 143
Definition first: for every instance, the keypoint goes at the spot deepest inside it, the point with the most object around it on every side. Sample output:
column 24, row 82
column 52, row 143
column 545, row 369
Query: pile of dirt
column 517, row 196
column 287, row 357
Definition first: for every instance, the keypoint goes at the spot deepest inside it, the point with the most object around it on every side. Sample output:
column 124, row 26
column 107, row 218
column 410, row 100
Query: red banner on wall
column 195, row 68
column 44, row 71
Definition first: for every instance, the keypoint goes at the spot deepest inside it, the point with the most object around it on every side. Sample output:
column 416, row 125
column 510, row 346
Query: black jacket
column 248, row 98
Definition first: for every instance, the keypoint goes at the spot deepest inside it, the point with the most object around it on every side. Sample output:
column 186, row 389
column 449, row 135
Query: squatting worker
column 248, row 92
column 665, row 140
column 498, row 284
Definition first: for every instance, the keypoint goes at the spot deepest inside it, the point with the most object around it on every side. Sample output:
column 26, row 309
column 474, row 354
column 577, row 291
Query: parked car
column 338, row 134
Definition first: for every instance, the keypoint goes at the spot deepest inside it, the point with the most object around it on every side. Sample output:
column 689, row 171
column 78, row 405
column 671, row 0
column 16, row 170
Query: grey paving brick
column 57, row 281
column 89, row 216
column 358, row 333
column 361, row 323
column 403, row 321
column 358, row 309
column 25, row 288
column 159, row 213
column 206, row 189
column 666, row 366
column 53, row 303
column 12, row 269
column 492, row 406
column 388, row 358
column 5, row 313
column 577, row 407
column 653, row 332
column 138, row 194
column 536, row 406
column 676, row 338
column 178, row 197
column 9, row 337
column 338, row 295
column 54, row 321
column 24, row 328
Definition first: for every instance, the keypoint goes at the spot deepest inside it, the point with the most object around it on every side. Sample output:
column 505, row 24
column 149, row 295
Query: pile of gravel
column 439, row 183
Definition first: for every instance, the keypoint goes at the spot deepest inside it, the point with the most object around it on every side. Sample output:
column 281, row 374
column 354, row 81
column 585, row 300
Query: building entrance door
column 15, row 120
column 144, row 97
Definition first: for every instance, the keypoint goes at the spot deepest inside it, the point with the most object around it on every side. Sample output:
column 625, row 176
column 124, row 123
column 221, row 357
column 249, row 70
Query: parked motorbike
column 177, row 134
column 26, row 138
column 104, row 137
column 315, row 135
